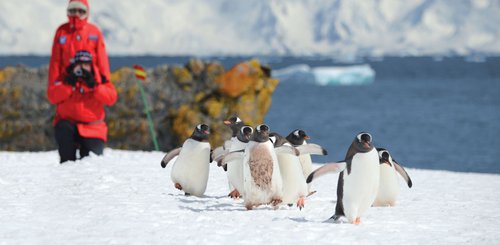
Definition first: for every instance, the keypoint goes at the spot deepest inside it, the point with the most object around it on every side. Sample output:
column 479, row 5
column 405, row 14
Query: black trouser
column 69, row 140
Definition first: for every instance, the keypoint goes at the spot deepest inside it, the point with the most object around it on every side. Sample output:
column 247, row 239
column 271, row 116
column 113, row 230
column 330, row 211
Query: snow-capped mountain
column 265, row 27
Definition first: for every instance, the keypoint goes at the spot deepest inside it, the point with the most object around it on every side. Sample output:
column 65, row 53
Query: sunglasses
column 74, row 11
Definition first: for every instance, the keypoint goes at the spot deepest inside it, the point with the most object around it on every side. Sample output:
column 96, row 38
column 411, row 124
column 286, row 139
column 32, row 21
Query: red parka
column 81, row 104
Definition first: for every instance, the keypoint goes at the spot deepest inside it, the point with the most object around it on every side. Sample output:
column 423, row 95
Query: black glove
column 88, row 77
column 70, row 78
column 104, row 79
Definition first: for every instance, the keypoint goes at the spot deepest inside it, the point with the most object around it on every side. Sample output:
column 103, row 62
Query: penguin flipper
column 235, row 155
column 218, row 156
column 219, row 152
column 313, row 149
column 335, row 167
column 170, row 155
column 403, row 173
column 287, row 149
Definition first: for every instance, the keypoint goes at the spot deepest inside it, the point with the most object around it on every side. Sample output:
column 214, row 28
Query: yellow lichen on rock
column 185, row 119
column 272, row 84
column 214, row 107
column 121, row 74
column 181, row 75
column 16, row 93
column 6, row 73
column 199, row 96
column 216, row 134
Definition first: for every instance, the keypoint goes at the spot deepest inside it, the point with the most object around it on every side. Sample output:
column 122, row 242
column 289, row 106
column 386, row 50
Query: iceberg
column 349, row 75
column 324, row 76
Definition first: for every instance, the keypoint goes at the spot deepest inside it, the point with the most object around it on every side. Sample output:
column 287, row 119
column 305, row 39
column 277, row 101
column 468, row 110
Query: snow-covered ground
column 333, row 28
column 125, row 197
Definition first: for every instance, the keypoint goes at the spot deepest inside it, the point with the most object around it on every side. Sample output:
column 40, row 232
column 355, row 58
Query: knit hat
column 82, row 56
column 79, row 4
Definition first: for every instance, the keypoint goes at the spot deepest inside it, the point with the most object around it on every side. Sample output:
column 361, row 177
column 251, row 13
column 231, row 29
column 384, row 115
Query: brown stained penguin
column 261, row 173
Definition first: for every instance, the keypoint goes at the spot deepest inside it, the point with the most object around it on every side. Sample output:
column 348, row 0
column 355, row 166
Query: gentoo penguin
column 190, row 170
column 294, row 183
column 388, row 189
column 235, row 167
column 234, row 123
column 296, row 138
column 262, row 182
column 358, row 181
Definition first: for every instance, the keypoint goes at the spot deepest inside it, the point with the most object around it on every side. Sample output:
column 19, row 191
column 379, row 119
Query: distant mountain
column 337, row 28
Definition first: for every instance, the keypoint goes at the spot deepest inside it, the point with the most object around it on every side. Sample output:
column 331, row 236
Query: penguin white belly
column 235, row 167
column 191, row 168
column 294, row 183
column 388, row 189
column 361, row 185
column 261, row 174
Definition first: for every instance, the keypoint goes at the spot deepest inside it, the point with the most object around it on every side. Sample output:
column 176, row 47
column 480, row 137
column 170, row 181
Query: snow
column 332, row 28
column 125, row 197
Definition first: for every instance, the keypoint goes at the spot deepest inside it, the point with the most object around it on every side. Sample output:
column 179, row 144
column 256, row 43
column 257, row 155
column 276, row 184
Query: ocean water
column 429, row 113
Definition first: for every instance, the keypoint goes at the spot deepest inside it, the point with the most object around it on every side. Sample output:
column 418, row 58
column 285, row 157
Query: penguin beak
column 366, row 144
column 227, row 122
column 387, row 162
column 307, row 137
column 205, row 132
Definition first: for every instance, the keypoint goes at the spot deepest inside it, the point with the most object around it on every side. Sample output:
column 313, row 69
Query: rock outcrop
column 180, row 97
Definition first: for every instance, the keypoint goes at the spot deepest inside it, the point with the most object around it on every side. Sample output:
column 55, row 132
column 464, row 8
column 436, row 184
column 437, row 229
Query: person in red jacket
column 79, row 85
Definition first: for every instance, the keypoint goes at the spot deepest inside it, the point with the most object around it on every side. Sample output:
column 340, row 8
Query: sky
column 261, row 27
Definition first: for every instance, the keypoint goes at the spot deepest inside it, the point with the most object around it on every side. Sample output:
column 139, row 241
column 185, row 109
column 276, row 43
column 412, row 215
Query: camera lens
column 79, row 73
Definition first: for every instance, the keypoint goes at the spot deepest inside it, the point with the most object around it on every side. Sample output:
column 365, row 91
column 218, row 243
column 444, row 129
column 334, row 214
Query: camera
column 78, row 72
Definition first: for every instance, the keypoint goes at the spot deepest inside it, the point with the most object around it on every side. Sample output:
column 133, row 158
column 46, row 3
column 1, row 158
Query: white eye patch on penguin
column 262, row 127
column 364, row 137
column 203, row 128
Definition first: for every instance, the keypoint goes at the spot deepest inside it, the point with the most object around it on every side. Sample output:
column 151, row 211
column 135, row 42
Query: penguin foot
column 178, row 186
column 357, row 221
column 187, row 194
column 337, row 219
column 301, row 203
column 234, row 194
column 290, row 204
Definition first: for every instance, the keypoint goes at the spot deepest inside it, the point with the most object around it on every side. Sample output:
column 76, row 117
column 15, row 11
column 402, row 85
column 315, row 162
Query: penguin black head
column 235, row 123
column 297, row 137
column 245, row 134
column 201, row 132
column 364, row 141
column 384, row 156
column 261, row 133
column 277, row 139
